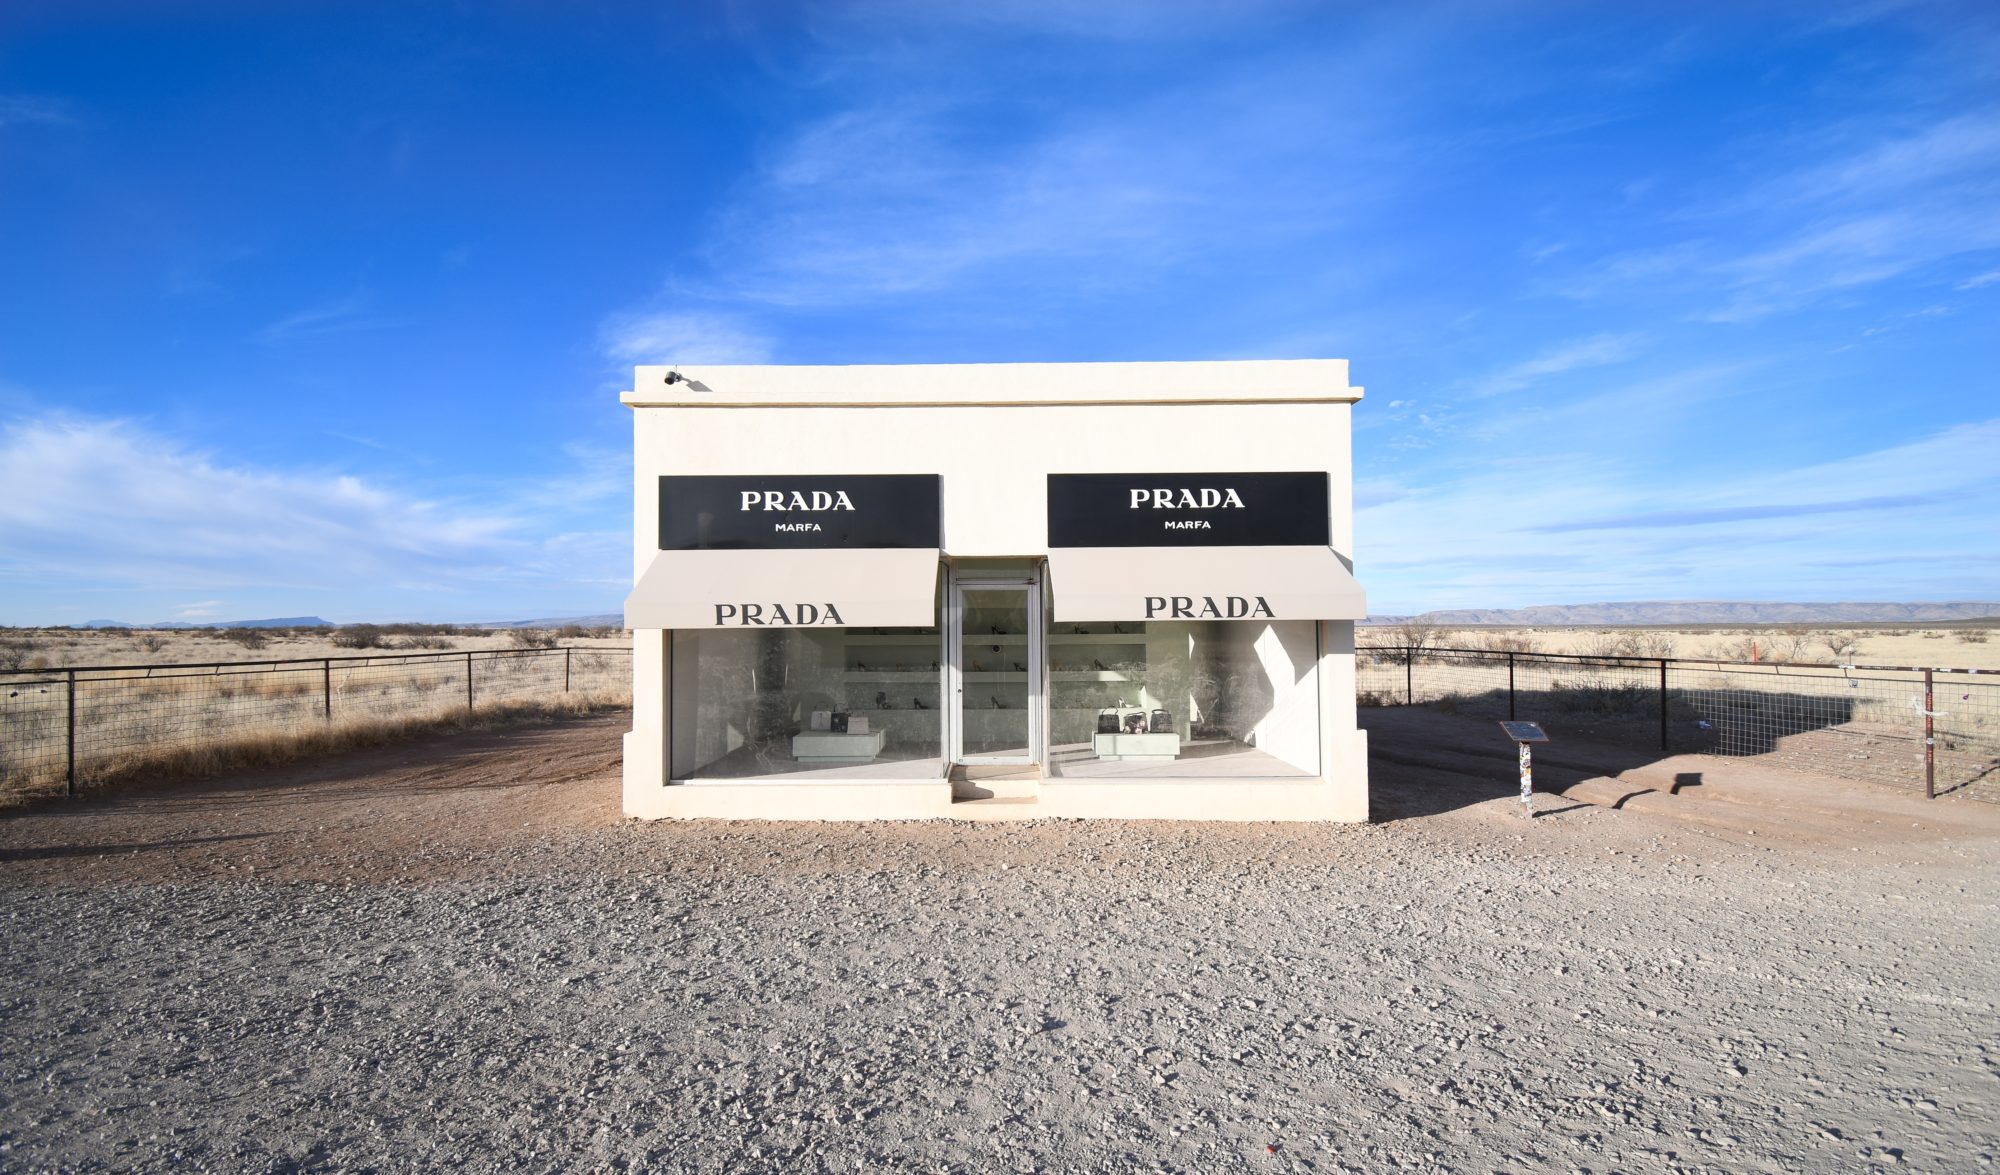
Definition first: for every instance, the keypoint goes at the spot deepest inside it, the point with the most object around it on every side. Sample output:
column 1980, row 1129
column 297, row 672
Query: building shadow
column 1424, row 763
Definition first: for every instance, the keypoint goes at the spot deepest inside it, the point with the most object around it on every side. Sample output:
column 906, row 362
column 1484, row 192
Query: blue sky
column 324, row 308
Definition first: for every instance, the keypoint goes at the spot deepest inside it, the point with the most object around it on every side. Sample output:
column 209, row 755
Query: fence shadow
column 1423, row 762
column 1450, row 753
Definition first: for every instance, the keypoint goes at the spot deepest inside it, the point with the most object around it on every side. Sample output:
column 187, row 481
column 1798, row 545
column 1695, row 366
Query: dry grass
column 175, row 719
column 241, row 749
column 1971, row 647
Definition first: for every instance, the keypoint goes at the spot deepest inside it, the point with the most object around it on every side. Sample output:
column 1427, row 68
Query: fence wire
column 71, row 727
column 1935, row 730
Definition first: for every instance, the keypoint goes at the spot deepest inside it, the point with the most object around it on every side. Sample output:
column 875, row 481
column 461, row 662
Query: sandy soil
column 457, row 954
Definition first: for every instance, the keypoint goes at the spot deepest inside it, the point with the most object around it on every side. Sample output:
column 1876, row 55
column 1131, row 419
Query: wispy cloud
column 1596, row 351
column 336, row 317
column 1732, row 514
column 889, row 195
column 682, row 337
column 1508, row 531
column 27, row 109
column 1844, row 208
column 121, row 507
column 199, row 610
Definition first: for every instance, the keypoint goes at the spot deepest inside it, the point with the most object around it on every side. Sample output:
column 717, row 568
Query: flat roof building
column 995, row 591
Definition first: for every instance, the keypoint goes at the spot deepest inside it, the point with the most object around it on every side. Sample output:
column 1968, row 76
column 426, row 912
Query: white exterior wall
column 995, row 432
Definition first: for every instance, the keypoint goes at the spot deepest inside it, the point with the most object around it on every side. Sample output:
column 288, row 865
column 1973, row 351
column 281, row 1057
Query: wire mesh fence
column 63, row 729
column 1935, row 730
column 1930, row 729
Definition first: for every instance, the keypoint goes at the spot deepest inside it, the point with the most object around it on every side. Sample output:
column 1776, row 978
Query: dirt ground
column 457, row 953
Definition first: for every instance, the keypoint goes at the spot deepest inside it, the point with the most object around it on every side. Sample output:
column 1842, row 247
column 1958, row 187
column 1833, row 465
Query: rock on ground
column 457, row 956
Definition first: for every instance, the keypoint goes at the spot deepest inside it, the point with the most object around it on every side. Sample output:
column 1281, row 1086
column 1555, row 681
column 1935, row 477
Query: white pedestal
column 824, row 748
column 1137, row 748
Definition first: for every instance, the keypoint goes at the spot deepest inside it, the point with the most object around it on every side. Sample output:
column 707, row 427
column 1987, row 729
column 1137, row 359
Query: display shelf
column 825, row 748
column 1136, row 748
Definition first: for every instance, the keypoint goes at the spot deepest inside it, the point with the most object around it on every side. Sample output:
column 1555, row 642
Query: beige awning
column 871, row 588
column 1202, row 583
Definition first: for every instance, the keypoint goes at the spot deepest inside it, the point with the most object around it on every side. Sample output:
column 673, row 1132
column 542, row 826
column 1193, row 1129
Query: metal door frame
column 954, row 628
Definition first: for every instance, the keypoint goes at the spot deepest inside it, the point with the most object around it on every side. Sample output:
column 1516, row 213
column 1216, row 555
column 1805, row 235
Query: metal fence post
column 72, row 732
column 468, row 682
column 566, row 652
column 326, row 688
column 1930, row 742
column 1510, row 687
column 1409, row 675
column 1663, row 704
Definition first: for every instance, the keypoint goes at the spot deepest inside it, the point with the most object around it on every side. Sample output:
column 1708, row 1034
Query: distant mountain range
column 275, row 622
column 601, row 620
column 1664, row 612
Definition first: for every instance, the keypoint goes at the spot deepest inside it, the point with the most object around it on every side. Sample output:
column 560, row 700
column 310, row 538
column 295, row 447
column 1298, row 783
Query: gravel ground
column 457, row 956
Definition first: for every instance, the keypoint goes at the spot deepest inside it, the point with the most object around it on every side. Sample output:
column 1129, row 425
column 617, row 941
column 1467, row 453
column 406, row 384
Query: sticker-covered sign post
column 1524, row 733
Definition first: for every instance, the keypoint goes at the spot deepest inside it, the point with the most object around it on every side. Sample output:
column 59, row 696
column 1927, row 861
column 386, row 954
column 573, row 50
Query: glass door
column 996, row 671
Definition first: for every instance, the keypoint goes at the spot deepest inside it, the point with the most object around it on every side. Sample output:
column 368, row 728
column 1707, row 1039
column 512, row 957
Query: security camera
column 674, row 377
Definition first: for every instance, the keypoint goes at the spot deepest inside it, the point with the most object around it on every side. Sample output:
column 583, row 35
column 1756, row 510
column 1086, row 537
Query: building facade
column 995, row 591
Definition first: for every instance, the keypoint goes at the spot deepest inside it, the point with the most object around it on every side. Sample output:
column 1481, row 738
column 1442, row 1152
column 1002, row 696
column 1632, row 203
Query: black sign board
column 1524, row 732
column 1188, row 509
column 745, row 512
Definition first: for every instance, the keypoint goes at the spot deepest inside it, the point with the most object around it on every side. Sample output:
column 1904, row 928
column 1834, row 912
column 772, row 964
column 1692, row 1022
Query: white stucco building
column 995, row 591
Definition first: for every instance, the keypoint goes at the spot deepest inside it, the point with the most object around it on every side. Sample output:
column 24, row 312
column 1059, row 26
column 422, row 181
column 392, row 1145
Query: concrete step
column 987, row 783
column 995, row 808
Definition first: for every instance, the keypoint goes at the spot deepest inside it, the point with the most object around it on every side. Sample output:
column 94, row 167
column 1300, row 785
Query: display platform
column 828, row 749
column 1137, row 748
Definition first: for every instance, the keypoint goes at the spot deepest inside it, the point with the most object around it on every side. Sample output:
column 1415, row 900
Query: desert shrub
column 151, row 642
column 1933, row 636
column 421, row 641
column 1603, row 644
column 358, row 636
column 1647, row 645
column 531, row 638
column 249, row 638
column 572, row 632
column 1369, row 697
column 17, row 651
column 1754, row 646
column 1792, row 643
column 1509, row 642
column 1419, row 634
column 1971, row 636
column 1652, row 645
column 1600, row 695
column 1839, row 645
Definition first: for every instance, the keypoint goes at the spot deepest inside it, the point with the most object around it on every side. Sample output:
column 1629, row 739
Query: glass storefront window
column 1209, row 699
column 824, row 702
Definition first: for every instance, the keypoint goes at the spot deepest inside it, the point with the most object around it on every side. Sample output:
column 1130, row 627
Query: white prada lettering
column 784, row 615
column 1205, row 498
column 1187, row 524
column 779, row 500
column 1207, row 607
column 794, row 526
